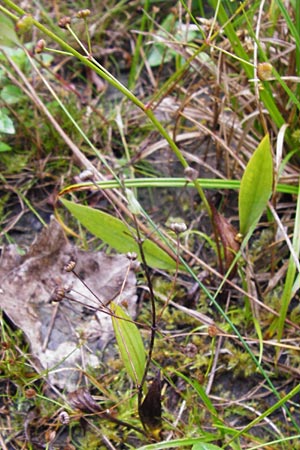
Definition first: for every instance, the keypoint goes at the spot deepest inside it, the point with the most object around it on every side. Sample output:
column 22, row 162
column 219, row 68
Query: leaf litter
column 67, row 336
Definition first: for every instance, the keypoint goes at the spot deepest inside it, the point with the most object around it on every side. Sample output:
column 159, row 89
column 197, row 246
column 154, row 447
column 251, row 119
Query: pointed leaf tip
column 256, row 186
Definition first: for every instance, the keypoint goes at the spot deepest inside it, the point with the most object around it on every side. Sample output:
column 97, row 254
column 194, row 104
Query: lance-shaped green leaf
column 118, row 235
column 256, row 186
column 130, row 343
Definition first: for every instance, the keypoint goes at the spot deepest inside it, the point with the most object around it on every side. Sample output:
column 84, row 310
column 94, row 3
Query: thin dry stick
column 174, row 279
column 284, row 233
column 236, row 287
column 216, row 356
column 3, row 446
column 178, row 417
column 153, row 315
column 50, row 327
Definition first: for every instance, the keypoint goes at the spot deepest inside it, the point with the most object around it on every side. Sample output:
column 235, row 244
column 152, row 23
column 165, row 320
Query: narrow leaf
column 130, row 344
column 204, row 446
column 118, row 235
column 256, row 186
column 179, row 443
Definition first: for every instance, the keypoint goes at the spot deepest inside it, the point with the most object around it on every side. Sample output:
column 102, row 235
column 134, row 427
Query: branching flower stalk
column 153, row 313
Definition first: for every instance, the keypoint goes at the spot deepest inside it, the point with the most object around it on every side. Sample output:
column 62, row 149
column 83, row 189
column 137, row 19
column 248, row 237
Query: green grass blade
column 134, row 67
column 266, row 413
column 291, row 273
column 205, row 446
column 291, row 26
column 256, row 186
column 202, row 394
column 265, row 95
column 206, row 183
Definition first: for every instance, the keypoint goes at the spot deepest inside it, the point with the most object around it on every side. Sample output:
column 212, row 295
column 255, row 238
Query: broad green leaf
column 160, row 53
column 8, row 35
column 17, row 54
column 256, row 186
column 115, row 233
column 130, row 344
column 6, row 124
column 11, row 94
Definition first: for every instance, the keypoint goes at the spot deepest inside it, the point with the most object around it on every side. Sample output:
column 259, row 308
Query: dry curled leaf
column 150, row 410
column 81, row 399
column 227, row 234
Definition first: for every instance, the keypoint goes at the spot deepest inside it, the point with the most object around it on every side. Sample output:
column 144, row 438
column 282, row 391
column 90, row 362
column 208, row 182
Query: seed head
column 64, row 22
column 178, row 227
column 24, row 24
column 64, row 417
column 70, row 266
column 212, row 331
column 86, row 175
column 264, row 71
column 30, row 393
column 83, row 13
column 58, row 294
column 40, row 45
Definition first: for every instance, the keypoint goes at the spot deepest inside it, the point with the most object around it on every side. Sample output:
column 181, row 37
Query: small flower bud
column 86, row 175
column 212, row 331
column 264, row 71
column 64, row 22
column 24, row 24
column 70, row 266
column 30, row 393
column 178, row 227
column 83, row 13
column 132, row 256
column 191, row 174
column 40, row 45
column 64, row 417
column 238, row 238
column 57, row 295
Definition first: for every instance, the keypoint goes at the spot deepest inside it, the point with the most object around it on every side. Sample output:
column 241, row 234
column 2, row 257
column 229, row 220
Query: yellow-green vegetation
column 167, row 131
